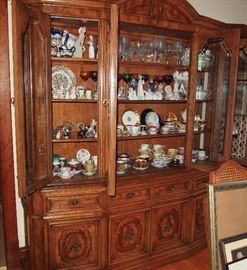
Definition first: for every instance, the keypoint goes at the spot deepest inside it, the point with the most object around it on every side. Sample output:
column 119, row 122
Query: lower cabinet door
column 169, row 226
column 129, row 236
column 199, row 222
column 76, row 244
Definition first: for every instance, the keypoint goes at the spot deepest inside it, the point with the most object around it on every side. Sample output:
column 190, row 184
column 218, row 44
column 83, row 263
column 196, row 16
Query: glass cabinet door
column 211, row 98
column 76, row 93
column 239, row 136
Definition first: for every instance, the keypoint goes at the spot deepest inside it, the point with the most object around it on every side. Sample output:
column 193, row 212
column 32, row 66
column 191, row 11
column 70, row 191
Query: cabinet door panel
column 199, row 228
column 76, row 245
column 128, row 236
column 169, row 226
column 36, row 42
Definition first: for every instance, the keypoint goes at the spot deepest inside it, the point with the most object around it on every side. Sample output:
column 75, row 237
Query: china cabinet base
column 148, row 223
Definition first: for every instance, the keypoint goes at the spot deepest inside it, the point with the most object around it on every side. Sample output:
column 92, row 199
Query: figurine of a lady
column 140, row 90
column 91, row 49
column 79, row 43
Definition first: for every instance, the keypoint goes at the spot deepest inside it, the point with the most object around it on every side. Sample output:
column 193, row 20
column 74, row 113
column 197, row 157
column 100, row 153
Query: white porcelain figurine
column 91, row 49
column 79, row 43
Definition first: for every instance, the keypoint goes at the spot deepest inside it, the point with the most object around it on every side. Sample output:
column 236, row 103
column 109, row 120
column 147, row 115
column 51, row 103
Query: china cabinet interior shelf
column 74, row 101
column 139, row 137
column 71, row 60
column 174, row 102
column 71, row 139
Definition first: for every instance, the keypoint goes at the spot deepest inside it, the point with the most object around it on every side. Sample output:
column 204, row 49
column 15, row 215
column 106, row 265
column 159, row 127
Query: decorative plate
column 143, row 115
column 83, row 155
column 130, row 118
column 63, row 80
column 152, row 119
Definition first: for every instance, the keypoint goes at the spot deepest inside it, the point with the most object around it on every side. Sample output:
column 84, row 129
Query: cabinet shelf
column 153, row 65
column 74, row 60
column 123, row 138
column 74, row 140
column 126, row 101
column 149, row 170
column 74, row 100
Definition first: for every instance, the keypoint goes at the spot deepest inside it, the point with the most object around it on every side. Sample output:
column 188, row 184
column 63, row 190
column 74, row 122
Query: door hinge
column 12, row 101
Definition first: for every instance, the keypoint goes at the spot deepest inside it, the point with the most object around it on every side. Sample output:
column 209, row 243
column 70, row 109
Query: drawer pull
column 171, row 188
column 74, row 202
column 130, row 195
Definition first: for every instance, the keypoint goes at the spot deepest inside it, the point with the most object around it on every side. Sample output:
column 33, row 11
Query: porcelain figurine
column 140, row 90
column 79, row 47
column 91, row 49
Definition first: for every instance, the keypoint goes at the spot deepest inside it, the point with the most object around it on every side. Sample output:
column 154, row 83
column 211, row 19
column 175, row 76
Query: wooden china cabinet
column 157, row 66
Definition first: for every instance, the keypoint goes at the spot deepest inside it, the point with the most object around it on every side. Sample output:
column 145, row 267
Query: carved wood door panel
column 199, row 229
column 129, row 236
column 77, row 244
column 169, row 224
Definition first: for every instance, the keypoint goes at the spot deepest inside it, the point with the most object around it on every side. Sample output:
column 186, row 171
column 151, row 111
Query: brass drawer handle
column 171, row 188
column 74, row 202
column 130, row 195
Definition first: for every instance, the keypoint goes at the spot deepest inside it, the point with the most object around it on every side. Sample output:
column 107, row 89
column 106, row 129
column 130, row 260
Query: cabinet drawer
column 171, row 189
column 85, row 202
column 131, row 195
column 201, row 183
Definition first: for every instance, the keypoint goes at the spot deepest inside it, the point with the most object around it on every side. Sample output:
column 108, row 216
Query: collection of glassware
column 155, row 50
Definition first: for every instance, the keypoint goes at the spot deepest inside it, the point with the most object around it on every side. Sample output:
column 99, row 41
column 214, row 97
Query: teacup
column 89, row 166
column 65, row 172
column 202, row 154
column 145, row 147
column 165, row 129
column 180, row 158
column 133, row 130
column 172, row 152
column 122, row 166
column 88, row 94
column 159, row 162
column 153, row 130
column 74, row 164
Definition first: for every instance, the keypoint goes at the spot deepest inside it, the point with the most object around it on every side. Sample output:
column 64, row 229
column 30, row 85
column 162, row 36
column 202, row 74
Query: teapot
column 185, row 59
column 205, row 60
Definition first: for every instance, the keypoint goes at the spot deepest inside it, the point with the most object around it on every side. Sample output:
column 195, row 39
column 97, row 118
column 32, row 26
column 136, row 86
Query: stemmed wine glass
column 168, row 52
column 123, row 46
column 94, row 77
column 127, row 78
column 85, row 75
column 178, row 51
column 168, row 79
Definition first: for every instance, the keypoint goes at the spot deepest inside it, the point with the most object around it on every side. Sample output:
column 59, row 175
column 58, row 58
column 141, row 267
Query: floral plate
column 130, row 118
column 63, row 80
column 152, row 119
column 83, row 155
